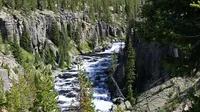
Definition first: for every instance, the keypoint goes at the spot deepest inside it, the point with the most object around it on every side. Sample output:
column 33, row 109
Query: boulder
column 118, row 100
column 122, row 106
column 128, row 105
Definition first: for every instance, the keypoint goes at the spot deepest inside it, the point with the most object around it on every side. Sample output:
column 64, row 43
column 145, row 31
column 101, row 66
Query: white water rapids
column 67, row 84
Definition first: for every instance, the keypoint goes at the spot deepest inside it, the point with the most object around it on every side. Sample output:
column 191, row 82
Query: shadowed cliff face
column 150, row 70
column 39, row 24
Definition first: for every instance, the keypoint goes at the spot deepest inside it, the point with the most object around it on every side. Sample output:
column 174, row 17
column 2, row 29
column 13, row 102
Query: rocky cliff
column 149, row 68
column 39, row 25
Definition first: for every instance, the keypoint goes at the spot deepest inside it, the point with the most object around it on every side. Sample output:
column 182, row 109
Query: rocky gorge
column 157, row 90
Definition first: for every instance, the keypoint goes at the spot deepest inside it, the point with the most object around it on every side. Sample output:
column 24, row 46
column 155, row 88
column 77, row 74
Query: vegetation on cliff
column 173, row 24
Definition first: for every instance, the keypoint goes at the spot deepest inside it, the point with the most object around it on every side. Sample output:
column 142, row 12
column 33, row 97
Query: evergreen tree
column 55, row 33
column 86, row 93
column 25, row 40
column 130, row 95
column 18, row 98
column 18, row 4
column 37, row 60
column 130, row 71
column 16, row 51
column 130, row 63
column 45, row 95
column 176, row 28
column 49, row 58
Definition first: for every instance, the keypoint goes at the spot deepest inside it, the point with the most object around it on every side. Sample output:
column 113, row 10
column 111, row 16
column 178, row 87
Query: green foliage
column 37, row 60
column 25, row 40
column 197, row 5
column 6, row 49
column 46, row 100
column 18, row 98
column 16, row 51
column 64, row 48
column 195, row 103
column 118, row 109
column 130, row 75
column 130, row 95
column 11, row 4
column 55, row 34
column 63, row 4
column 50, row 58
column 170, row 26
column 130, row 63
column 86, row 93
column 2, row 94
column 18, row 4
column 33, row 92
column 51, row 4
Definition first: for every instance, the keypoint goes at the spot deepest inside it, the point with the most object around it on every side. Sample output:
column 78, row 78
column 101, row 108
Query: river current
column 67, row 82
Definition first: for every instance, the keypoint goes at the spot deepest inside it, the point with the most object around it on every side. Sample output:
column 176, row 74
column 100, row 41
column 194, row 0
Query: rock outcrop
column 9, row 70
column 148, row 64
column 39, row 25
column 171, row 95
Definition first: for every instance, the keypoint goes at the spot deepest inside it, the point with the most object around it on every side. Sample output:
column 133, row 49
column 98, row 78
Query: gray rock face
column 148, row 64
column 4, row 76
column 39, row 25
column 171, row 94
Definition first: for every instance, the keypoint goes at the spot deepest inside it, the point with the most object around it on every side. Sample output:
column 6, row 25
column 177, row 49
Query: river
column 67, row 82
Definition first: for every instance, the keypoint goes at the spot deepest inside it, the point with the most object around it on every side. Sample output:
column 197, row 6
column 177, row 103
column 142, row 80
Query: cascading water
column 67, row 84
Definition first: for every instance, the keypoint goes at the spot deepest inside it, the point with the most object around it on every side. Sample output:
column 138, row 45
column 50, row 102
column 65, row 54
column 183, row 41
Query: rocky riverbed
column 67, row 82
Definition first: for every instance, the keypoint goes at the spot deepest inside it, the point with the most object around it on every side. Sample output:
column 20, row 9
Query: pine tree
column 130, row 95
column 49, row 58
column 18, row 98
column 37, row 60
column 86, row 93
column 130, row 63
column 130, row 71
column 55, row 33
column 16, row 51
column 128, row 8
column 46, row 100
column 25, row 40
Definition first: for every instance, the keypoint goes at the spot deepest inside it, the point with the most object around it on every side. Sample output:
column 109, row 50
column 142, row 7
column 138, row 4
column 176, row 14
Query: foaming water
column 68, row 88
